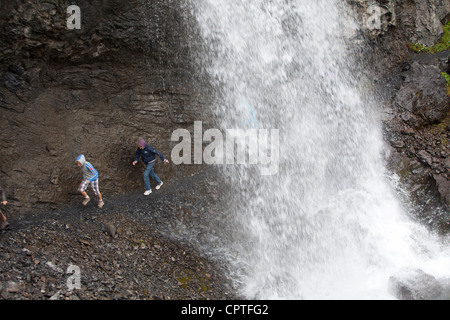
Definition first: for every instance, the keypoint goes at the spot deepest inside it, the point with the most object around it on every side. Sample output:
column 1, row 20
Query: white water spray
column 328, row 225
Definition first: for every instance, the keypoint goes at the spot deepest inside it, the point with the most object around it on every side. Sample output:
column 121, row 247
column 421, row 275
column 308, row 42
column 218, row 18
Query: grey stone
column 414, row 284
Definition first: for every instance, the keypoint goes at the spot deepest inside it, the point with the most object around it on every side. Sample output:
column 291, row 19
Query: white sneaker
column 147, row 192
column 85, row 201
column 159, row 186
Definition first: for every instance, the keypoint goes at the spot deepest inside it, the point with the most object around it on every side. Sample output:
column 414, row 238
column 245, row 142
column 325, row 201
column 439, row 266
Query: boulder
column 443, row 188
column 414, row 284
column 423, row 95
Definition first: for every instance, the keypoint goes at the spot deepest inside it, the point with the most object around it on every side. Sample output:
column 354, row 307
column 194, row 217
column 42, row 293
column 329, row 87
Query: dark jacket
column 148, row 154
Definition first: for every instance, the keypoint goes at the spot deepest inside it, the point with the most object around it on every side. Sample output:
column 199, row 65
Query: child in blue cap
column 90, row 177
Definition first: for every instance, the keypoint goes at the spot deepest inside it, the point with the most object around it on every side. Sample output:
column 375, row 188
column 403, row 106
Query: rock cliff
column 126, row 74
column 129, row 72
column 414, row 95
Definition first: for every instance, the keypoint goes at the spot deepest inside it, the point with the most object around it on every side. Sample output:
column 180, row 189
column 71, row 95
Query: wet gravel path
column 163, row 246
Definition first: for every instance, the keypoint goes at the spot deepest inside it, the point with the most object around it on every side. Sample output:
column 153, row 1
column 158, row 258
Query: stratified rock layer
column 131, row 72
column 126, row 74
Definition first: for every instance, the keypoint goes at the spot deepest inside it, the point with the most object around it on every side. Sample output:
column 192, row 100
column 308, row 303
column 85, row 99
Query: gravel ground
column 162, row 246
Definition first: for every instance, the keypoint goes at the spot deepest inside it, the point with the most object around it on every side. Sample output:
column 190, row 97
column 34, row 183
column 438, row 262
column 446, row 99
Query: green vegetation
column 442, row 45
column 197, row 282
column 447, row 78
column 440, row 129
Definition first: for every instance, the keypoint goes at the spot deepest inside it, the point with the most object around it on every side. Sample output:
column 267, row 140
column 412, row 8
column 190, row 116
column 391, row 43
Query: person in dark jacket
column 148, row 156
column 3, row 223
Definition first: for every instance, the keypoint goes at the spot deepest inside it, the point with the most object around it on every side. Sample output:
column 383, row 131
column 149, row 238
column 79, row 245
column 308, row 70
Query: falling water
column 328, row 224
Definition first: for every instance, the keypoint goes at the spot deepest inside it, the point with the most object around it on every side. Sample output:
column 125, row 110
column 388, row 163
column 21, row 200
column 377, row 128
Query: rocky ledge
column 135, row 247
column 417, row 125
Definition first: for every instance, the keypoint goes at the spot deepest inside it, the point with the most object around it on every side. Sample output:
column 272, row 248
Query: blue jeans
column 149, row 171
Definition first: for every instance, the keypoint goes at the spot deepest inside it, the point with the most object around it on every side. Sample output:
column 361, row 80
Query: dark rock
column 425, row 157
column 423, row 94
column 110, row 229
column 414, row 91
column 414, row 284
column 400, row 23
column 12, row 81
column 443, row 187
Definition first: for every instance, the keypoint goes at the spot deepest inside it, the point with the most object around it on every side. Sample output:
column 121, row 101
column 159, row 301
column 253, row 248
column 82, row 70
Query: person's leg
column 96, row 189
column 82, row 190
column 154, row 176
column 148, row 168
column 3, row 223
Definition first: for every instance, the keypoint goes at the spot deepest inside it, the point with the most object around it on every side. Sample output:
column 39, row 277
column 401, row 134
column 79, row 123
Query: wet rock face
column 418, row 21
column 125, row 74
column 422, row 95
column 107, row 31
column 419, row 131
column 413, row 97
column 390, row 25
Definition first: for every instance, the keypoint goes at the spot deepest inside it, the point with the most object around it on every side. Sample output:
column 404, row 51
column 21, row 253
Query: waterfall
column 328, row 223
